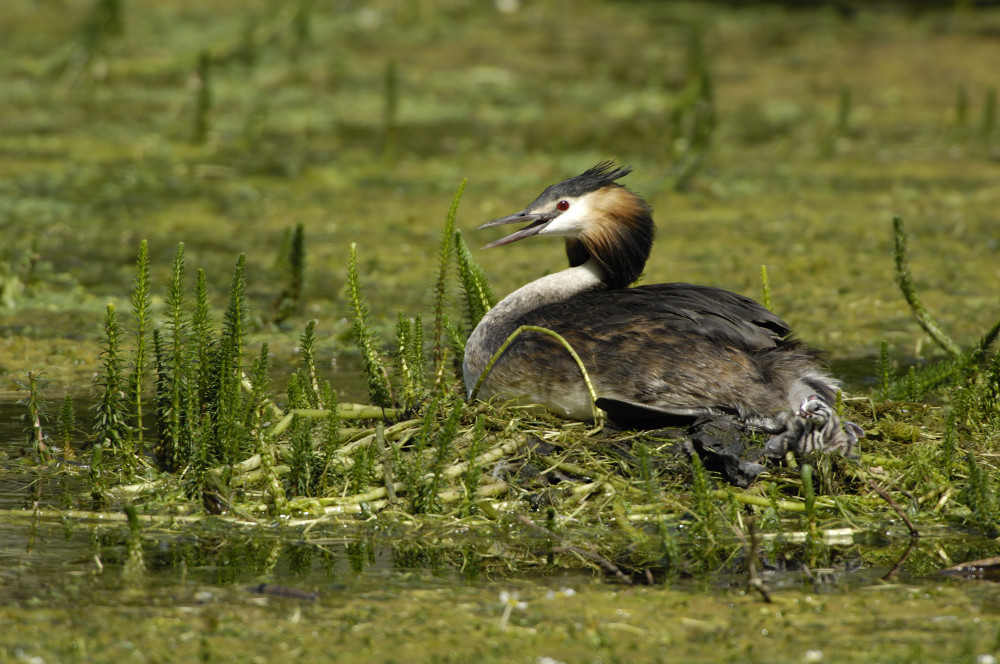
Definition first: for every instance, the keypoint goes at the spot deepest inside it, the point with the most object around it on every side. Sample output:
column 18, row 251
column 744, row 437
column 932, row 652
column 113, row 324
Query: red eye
column 562, row 206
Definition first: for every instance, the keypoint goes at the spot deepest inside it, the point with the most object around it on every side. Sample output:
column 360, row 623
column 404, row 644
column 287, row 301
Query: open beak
column 536, row 222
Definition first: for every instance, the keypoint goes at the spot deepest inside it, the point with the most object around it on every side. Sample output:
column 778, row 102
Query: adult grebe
column 657, row 355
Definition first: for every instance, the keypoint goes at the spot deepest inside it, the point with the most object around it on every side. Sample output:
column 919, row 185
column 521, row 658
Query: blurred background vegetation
column 777, row 134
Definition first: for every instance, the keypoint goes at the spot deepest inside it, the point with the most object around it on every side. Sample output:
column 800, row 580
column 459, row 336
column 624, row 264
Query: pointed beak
column 536, row 222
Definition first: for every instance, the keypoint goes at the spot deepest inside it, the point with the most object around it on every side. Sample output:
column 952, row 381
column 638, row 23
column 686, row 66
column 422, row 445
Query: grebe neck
column 551, row 288
column 500, row 321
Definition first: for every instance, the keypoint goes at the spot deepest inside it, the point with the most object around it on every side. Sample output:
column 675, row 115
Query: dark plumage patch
column 592, row 179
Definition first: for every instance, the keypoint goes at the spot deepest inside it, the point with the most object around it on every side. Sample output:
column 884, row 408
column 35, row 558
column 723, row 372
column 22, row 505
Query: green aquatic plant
column 379, row 387
column 362, row 476
column 444, row 446
column 646, row 476
column 905, row 282
column 955, row 369
column 479, row 296
column 173, row 365
column 980, row 496
column 413, row 468
column 808, row 494
column 991, row 394
column 290, row 266
column 703, row 499
column 472, row 477
column 36, row 436
column 264, row 444
column 65, row 425
column 110, row 425
column 203, row 344
column 433, row 451
column 765, row 288
column 975, row 403
column 884, row 371
column 329, row 438
column 441, row 285
column 409, row 360
column 307, row 369
column 300, row 462
column 206, row 408
column 230, row 414
column 141, row 307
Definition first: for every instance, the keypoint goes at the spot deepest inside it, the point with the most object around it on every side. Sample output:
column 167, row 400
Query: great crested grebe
column 657, row 355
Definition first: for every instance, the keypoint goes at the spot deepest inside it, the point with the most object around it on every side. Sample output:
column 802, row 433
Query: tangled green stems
column 598, row 413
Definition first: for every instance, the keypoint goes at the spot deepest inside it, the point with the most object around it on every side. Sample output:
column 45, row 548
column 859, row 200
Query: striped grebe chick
column 657, row 355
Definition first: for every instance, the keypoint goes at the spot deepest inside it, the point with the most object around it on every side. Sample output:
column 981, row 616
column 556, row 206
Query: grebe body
column 656, row 354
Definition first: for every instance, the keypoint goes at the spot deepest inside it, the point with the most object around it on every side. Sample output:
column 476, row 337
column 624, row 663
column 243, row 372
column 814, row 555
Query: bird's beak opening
column 536, row 222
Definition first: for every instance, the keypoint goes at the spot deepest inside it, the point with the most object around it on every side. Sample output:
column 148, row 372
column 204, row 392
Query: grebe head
column 599, row 218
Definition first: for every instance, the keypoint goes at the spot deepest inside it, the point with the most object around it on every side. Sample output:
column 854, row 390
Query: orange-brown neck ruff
column 619, row 237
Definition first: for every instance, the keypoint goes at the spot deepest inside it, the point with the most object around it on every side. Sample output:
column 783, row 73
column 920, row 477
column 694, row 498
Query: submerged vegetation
column 313, row 411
